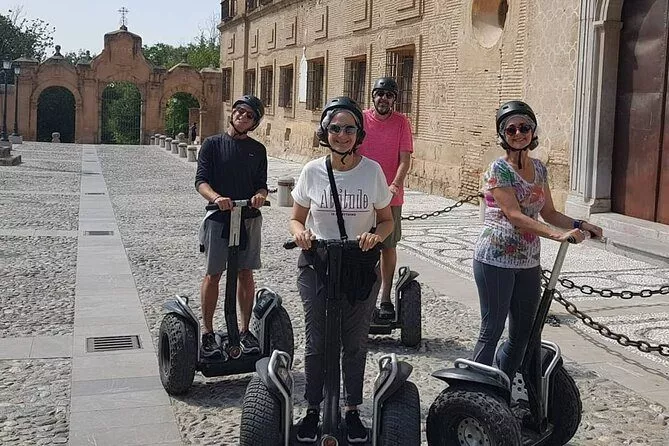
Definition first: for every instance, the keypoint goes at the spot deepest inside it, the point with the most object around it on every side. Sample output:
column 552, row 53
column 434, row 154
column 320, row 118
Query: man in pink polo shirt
column 389, row 142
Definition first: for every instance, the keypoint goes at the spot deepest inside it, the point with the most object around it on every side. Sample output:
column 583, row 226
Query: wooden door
column 640, row 182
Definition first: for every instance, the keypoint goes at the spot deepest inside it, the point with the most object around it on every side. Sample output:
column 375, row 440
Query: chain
column 644, row 346
column 605, row 292
column 457, row 204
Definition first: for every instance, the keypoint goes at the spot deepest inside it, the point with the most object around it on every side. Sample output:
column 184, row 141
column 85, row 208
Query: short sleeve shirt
column 361, row 190
column 501, row 243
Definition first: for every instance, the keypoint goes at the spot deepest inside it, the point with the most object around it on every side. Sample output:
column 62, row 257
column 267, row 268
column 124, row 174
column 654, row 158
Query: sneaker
column 307, row 430
column 386, row 310
column 356, row 432
column 210, row 348
column 249, row 343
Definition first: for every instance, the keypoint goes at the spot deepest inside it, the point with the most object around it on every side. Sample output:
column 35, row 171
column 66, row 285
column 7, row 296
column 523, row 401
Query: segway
column 408, row 310
column 480, row 407
column 179, row 339
column 267, row 410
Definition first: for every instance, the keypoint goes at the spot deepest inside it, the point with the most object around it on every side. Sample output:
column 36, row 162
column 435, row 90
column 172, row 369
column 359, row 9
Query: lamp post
column 17, row 71
column 6, row 66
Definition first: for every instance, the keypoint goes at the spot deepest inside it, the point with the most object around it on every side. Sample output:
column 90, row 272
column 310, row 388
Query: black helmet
column 514, row 108
column 385, row 83
column 255, row 104
column 346, row 103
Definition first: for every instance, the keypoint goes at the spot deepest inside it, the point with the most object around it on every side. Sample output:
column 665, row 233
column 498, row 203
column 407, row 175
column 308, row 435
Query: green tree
column 23, row 37
column 176, row 115
column 76, row 56
column 121, row 109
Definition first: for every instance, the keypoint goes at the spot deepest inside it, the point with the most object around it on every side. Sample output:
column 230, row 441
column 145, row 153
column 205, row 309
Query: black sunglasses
column 512, row 129
column 387, row 94
column 246, row 113
column 337, row 129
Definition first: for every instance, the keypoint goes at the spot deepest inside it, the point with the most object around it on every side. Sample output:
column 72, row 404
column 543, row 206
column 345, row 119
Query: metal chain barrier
column 457, row 204
column 622, row 339
column 605, row 292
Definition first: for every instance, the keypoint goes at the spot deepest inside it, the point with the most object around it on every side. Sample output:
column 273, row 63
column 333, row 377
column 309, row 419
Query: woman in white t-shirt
column 365, row 200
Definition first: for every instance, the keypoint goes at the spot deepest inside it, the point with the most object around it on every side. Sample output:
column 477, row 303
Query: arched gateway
column 93, row 114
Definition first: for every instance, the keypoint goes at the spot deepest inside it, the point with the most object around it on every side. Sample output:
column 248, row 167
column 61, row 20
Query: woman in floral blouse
column 507, row 253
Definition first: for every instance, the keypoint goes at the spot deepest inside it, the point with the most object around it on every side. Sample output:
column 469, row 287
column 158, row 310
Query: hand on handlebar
column 594, row 230
column 257, row 201
column 368, row 240
column 572, row 236
column 303, row 239
column 224, row 203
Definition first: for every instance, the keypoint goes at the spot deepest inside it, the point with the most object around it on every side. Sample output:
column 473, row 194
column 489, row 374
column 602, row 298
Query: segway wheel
column 261, row 416
column 410, row 315
column 471, row 415
column 281, row 332
column 564, row 408
column 400, row 417
column 177, row 358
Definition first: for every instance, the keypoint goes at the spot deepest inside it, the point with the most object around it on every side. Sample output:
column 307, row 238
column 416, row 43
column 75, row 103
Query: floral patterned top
column 500, row 243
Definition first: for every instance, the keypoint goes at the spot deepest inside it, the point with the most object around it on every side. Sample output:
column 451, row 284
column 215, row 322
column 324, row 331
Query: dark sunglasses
column 387, row 94
column 246, row 113
column 337, row 129
column 512, row 129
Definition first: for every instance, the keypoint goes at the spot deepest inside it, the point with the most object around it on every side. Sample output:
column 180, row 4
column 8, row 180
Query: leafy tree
column 23, row 37
column 121, row 109
column 176, row 115
column 76, row 56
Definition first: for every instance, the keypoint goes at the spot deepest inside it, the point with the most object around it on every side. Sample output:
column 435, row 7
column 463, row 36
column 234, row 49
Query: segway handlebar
column 323, row 243
column 235, row 203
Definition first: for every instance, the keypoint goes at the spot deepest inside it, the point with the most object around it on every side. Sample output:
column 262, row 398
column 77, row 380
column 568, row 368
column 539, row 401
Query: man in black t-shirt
column 232, row 166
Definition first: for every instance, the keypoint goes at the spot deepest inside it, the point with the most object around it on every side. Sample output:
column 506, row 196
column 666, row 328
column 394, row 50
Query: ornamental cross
column 124, row 12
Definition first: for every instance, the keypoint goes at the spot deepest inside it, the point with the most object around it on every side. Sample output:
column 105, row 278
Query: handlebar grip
column 290, row 244
column 211, row 207
column 571, row 239
column 214, row 206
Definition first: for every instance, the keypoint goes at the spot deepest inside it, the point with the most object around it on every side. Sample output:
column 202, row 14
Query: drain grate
column 98, row 232
column 94, row 193
column 112, row 343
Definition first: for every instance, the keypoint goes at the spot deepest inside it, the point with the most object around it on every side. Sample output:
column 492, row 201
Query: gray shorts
column 396, row 235
column 216, row 247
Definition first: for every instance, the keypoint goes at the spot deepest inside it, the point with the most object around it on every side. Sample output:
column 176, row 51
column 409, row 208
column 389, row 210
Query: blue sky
column 83, row 23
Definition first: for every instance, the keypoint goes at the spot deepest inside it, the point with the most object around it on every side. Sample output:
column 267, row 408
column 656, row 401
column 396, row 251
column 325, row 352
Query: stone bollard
column 181, row 137
column 55, row 137
column 152, row 140
column 162, row 141
column 182, row 149
column 175, row 146
column 157, row 137
column 285, row 188
column 168, row 144
column 192, row 153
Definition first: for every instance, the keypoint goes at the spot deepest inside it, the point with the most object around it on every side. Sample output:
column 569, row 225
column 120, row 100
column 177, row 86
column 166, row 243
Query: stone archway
column 56, row 112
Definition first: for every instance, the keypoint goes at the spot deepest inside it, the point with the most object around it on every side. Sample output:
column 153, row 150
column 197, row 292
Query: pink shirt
column 383, row 143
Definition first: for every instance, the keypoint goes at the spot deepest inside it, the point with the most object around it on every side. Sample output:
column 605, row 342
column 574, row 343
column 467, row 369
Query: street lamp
column 6, row 66
column 17, row 71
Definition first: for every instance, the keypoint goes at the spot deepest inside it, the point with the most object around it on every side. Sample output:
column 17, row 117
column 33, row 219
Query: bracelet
column 578, row 224
column 216, row 198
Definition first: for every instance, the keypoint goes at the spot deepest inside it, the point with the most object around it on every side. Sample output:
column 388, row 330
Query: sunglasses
column 248, row 114
column 387, row 94
column 335, row 129
column 512, row 129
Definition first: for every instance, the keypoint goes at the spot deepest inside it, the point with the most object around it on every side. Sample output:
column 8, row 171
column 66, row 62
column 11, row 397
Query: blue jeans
column 502, row 292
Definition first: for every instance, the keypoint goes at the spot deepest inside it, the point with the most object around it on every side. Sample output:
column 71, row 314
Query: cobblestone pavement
column 158, row 212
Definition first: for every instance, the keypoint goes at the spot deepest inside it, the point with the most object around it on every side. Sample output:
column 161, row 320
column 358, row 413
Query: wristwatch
column 578, row 224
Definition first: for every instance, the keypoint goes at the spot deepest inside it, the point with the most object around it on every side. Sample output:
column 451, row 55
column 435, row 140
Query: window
column 355, row 72
column 225, row 10
column 399, row 64
column 315, row 75
column 227, row 84
column 250, row 82
column 266, row 85
column 251, row 5
column 286, row 86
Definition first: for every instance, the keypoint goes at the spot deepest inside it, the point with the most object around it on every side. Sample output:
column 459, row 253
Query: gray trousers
column 354, row 332
column 502, row 292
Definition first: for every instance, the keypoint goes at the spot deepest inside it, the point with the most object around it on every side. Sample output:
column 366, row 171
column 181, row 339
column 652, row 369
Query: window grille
column 227, row 84
column 399, row 65
column 315, row 75
column 266, row 85
column 354, row 79
column 250, row 82
column 286, row 86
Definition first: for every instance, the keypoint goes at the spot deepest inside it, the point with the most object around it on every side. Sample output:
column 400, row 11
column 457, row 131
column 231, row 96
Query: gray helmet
column 345, row 103
column 514, row 108
column 255, row 104
column 385, row 83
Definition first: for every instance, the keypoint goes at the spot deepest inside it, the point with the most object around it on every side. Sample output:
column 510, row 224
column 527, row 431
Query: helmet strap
column 505, row 145
column 343, row 154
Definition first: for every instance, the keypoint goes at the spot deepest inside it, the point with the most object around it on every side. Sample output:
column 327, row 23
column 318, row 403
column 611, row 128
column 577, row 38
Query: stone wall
column 465, row 64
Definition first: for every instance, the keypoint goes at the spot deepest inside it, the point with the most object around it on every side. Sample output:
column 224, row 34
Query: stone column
column 182, row 149
column 192, row 153
column 594, row 114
